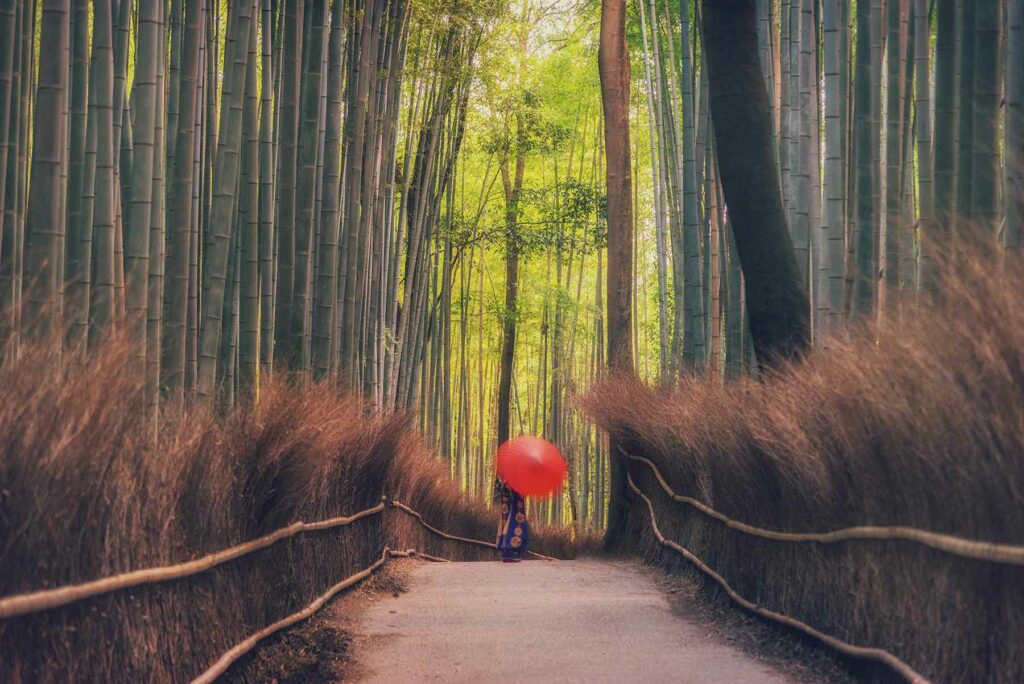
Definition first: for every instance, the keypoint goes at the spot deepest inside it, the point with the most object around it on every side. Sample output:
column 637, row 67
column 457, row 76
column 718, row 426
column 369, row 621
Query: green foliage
column 572, row 215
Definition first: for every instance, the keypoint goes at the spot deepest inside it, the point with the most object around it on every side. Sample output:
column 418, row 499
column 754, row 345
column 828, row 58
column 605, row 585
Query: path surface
column 572, row 621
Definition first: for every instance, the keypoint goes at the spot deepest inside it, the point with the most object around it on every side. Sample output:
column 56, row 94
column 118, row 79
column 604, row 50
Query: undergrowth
column 917, row 422
column 89, row 489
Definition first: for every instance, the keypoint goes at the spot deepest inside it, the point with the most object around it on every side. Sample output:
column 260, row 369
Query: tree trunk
column 76, row 300
column 985, row 125
column 923, row 126
column 865, row 143
column 1014, row 131
column 776, row 300
column 512, row 186
column 249, row 223
column 268, row 185
column 695, row 344
column 964, row 217
column 11, row 113
column 157, row 234
column 137, row 233
column 9, row 11
column 287, row 168
column 45, row 223
column 225, row 183
column 945, row 138
column 180, row 214
column 835, row 181
column 659, row 208
column 305, row 216
column 895, row 79
column 102, row 296
column 614, row 69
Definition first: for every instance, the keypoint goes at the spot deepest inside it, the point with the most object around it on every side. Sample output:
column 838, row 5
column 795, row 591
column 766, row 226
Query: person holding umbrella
column 527, row 466
column 513, row 529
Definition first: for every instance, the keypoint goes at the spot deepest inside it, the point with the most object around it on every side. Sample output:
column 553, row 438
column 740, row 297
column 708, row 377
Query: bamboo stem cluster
column 897, row 125
column 231, row 186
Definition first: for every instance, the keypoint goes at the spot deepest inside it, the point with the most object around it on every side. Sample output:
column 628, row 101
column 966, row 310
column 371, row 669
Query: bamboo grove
column 898, row 125
column 406, row 198
column 231, row 184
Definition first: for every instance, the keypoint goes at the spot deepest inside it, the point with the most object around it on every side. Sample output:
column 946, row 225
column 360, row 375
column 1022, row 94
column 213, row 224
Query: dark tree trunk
column 180, row 224
column 508, row 344
column 287, row 169
column 944, row 169
column 741, row 115
column 964, row 216
column 46, row 221
column 987, row 97
column 613, row 65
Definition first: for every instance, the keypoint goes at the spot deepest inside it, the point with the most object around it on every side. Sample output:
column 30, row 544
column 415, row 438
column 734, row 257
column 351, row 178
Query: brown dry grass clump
column 920, row 423
column 85, row 493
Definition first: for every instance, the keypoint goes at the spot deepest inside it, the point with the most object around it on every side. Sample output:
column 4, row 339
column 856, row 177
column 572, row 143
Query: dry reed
column 917, row 423
column 87, row 491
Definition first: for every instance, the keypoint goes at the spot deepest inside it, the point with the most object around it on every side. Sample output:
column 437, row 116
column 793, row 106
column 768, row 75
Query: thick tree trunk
column 137, row 234
column 776, row 300
column 923, row 126
column 613, row 65
column 512, row 186
column 305, row 215
column 10, row 119
column 45, row 223
column 835, row 182
column 659, row 206
column 865, row 141
column 985, row 125
column 248, row 225
column 1014, row 131
column 102, row 297
column 694, row 342
column 946, row 20
column 894, row 144
column 225, row 182
column 327, row 271
column 157, row 234
column 8, row 20
column 268, row 185
column 964, row 218
column 287, row 169
column 180, row 214
column 76, row 301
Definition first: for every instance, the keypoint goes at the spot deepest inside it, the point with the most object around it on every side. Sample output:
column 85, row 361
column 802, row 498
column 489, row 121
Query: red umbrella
column 532, row 466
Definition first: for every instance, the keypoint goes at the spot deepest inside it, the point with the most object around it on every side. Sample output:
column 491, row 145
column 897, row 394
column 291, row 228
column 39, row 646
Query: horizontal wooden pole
column 958, row 546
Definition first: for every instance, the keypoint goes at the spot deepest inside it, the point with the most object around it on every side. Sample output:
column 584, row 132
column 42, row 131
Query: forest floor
column 584, row 620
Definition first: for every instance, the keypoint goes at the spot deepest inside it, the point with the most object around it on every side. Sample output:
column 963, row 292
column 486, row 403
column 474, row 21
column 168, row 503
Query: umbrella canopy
column 532, row 466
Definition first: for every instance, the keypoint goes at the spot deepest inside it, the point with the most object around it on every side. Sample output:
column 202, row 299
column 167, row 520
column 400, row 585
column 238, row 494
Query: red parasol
column 532, row 466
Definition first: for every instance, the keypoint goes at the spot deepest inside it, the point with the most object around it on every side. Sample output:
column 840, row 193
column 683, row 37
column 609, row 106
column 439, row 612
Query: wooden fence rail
column 957, row 546
column 243, row 647
column 869, row 653
column 46, row 599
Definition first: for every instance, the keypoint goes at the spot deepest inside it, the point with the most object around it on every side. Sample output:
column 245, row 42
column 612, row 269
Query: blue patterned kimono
column 513, row 530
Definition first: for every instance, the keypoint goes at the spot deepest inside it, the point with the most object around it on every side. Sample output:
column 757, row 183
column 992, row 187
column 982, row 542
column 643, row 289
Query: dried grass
column 919, row 423
column 85, row 493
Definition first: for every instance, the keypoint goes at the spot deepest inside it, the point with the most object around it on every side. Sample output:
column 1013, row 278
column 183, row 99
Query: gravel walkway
column 566, row 621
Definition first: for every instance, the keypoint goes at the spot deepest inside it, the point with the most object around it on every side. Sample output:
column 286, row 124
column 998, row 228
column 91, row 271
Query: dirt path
column 575, row 621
